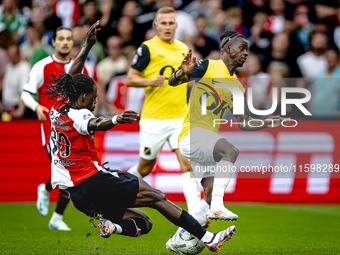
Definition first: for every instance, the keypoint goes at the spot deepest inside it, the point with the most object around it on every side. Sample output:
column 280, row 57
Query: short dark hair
column 68, row 87
column 333, row 47
column 226, row 34
column 58, row 29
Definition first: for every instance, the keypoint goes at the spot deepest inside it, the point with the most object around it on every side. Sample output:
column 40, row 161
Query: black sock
column 48, row 185
column 133, row 227
column 64, row 197
column 191, row 225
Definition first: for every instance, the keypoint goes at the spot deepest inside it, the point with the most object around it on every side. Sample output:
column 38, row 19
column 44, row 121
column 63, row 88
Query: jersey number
column 59, row 139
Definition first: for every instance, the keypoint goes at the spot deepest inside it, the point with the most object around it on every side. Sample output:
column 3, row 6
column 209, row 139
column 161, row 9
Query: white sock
column 133, row 170
column 56, row 216
column 118, row 228
column 200, row 212
column 221, row 182
column 191, row 192
column 208, row 236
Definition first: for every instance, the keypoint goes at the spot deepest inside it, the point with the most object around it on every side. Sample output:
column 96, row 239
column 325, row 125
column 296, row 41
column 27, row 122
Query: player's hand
column 188, row 63
column 275, row 121
column 40, row 109
column 91, row 37
column 158, row 81
column 127, row 117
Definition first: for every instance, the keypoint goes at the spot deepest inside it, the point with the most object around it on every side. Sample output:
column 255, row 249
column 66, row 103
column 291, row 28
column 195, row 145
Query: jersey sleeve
column 199, row 70
column 141, row 59
column 35, row 79
column 81, row 122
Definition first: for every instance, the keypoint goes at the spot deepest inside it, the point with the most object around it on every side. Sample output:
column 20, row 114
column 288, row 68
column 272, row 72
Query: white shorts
column 198, row 146
column 155, row 132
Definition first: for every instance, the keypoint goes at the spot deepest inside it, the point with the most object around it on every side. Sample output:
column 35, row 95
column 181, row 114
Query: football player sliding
column 94, row 189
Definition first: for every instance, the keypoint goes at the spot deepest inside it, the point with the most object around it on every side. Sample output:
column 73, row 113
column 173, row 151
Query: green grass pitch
column 261, row 229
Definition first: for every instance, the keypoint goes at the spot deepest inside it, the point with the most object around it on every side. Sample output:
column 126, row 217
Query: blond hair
column 165, row 10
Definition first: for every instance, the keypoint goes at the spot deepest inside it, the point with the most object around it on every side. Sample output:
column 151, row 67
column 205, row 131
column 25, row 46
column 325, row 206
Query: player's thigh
column 148, row 196
column 198, row 145
column 106, row 193
column 152, row 138
column 225, row 150
column 183, row 161
column 173, row 131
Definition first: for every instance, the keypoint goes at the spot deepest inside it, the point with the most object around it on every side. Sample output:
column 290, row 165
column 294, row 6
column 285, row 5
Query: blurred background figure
column 16, row 75
column 11, row 19
column 314, row 61
column 115, row 63
column 68, row 11
column 203, row 43
column 281, row 52
column 34, row 50
column 276, row 18
column 325, row 89
column 120, row 97
column 260, row 82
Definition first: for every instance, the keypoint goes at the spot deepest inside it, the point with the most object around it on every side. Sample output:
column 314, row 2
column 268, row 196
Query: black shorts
column 105, row 193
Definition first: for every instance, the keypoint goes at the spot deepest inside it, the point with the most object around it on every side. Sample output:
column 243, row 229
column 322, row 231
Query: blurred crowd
column 292, row 43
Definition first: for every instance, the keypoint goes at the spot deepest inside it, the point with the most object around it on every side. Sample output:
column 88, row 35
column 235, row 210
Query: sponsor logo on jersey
column 64, row 162
column 87, row 116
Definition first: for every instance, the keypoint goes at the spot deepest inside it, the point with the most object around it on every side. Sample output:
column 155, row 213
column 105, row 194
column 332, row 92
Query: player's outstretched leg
column 134, row 223
column 149, row 197
column 56, row 221
column 225, row 154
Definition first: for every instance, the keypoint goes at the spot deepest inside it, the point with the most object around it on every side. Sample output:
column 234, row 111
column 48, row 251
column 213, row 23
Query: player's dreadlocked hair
column 67, row 89
column 227, row 36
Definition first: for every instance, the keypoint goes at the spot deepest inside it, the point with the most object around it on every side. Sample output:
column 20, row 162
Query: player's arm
column 34, row 81
column 180, row 76
column 139, row 63
column 104, row 123
column 91, row 39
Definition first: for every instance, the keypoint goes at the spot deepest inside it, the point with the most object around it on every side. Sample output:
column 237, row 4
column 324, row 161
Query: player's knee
column 64, row 194
column 145, row 169
column 234, row 153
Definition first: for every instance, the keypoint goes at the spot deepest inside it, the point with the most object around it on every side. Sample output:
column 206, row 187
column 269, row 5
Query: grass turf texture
column 262, row 229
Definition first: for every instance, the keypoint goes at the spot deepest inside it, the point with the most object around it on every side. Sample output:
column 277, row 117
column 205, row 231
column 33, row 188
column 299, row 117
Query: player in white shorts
column 164, row 106
column 199, row 140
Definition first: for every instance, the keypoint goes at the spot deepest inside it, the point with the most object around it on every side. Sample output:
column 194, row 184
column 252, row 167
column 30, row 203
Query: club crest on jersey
column 87, row 116
column 147, row 151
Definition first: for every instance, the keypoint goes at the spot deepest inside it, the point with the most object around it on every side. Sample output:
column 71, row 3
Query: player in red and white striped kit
column 40, row 75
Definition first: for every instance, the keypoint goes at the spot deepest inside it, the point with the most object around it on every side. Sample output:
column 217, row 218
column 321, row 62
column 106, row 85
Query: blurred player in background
column 164, row 106
column 199, row 140
column 39, row 76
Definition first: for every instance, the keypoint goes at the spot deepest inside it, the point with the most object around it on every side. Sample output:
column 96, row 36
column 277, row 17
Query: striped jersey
column 74, row 156
column 39, row 76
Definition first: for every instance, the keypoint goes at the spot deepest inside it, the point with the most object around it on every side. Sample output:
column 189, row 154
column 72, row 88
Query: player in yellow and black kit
column 164, row 106
column 199, row 140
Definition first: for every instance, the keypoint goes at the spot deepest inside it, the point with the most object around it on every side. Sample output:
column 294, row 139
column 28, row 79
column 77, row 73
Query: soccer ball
column 188, row 243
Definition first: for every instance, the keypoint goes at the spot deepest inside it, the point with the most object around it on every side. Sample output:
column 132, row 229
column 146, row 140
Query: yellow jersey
column 155, row 57
column 208, row 74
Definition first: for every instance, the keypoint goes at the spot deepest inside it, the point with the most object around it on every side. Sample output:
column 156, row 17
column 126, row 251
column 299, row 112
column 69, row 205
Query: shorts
column 108, row 193
column 198, row 146
column 155, row 132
